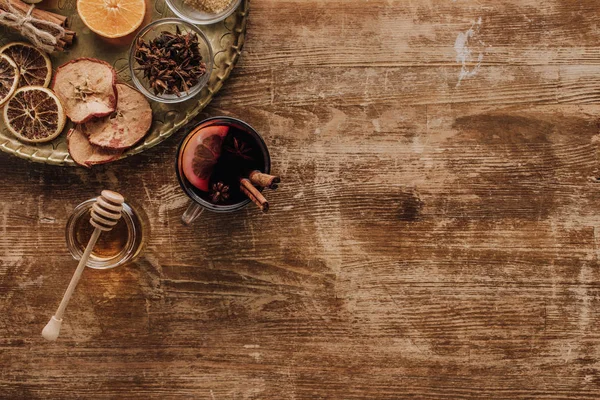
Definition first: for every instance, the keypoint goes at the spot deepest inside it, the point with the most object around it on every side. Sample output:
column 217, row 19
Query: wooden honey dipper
column 105, row 214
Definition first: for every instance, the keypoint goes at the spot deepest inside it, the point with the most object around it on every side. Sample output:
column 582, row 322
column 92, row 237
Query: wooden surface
column 435, row 238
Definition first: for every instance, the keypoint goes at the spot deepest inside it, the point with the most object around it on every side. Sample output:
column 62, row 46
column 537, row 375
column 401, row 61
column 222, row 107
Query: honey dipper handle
column 77, row 274
column 52, row 329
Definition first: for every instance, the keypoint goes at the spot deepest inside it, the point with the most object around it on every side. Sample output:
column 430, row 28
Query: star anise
column 171, row 62
column 219, row 192
column 240, row 149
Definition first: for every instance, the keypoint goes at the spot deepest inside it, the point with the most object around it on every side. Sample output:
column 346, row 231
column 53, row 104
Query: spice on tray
column 44, row 29
column 209, row 6
column 171, row 62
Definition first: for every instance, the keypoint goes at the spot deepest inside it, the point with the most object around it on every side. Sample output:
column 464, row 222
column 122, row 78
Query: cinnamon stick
column 253, row 194
column 42, row 15
column 68, row 38
column 36, row 13
column 263, row 180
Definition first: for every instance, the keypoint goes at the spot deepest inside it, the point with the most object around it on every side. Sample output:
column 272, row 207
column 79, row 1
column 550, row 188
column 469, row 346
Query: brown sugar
column 209, row 6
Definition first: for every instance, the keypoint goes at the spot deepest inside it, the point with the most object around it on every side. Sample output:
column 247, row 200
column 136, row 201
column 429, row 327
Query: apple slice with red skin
column 201, row 154
column 86, row 88
column 86, row 154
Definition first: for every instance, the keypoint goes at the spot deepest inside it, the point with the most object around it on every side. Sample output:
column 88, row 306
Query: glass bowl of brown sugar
column 170, row 60
column 203, row 12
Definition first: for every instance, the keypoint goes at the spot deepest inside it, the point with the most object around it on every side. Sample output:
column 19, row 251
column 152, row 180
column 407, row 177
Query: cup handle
column 192, row 213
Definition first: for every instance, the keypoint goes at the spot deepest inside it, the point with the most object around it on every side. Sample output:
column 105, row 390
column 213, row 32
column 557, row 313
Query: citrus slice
column 34, row 114
column 34, row 65
column 112, row 18
column 9, row 78
column 201, row 154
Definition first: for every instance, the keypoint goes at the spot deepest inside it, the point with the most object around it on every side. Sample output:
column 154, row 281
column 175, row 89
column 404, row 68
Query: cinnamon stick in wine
column 253, row 194
column 264, row 180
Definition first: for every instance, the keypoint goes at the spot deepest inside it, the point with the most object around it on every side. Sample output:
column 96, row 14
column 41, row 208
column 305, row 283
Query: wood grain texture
column 436, row 235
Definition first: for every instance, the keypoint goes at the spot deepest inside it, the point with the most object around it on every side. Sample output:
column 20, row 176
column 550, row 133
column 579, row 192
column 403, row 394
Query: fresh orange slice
column 112, row 18
column 9, row 78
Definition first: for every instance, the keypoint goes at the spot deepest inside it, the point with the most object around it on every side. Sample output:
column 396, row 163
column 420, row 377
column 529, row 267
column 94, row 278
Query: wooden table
column 435, row 238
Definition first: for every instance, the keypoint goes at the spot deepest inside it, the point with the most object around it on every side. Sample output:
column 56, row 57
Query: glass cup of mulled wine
column 213, row 159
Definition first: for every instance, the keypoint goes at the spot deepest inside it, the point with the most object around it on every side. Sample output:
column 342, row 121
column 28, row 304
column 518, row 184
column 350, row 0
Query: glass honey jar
column 119, row 246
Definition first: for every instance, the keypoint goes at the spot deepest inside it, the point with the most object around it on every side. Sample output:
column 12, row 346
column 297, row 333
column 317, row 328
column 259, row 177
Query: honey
column 110, row 243
column 118, row 246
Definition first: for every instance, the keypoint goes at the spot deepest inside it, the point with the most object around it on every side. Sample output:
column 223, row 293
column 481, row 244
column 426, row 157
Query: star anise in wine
column 219, row 192
column 240, row 149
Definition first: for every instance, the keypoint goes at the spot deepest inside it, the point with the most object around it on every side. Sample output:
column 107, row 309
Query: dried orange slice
column 34, row 114
column 112, row 18
column 34, row 65
column 9, row 78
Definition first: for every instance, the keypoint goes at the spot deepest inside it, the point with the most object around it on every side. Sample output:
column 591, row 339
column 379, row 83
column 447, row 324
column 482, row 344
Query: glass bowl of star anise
column 170, row 60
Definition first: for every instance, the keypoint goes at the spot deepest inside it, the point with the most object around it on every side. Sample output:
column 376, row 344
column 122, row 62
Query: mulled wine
column 216, row 158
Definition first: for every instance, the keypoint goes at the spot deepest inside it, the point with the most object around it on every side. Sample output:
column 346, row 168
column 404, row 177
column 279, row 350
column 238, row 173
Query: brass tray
column 226, row 37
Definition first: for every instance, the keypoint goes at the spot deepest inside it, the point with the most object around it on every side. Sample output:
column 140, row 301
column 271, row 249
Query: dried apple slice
column 126, row 126
column 86, row 88
column 86, row 154
column 201, row 154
